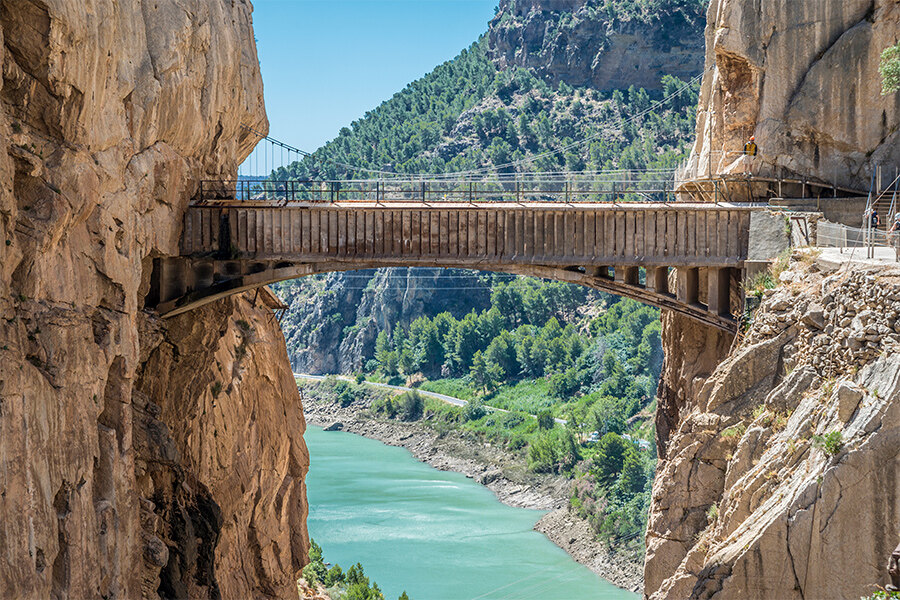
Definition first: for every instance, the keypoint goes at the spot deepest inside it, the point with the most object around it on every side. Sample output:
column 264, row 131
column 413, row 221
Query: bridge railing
column 599, row 189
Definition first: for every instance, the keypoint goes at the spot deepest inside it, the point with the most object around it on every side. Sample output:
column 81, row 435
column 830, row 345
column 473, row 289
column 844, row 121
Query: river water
column 437, row 535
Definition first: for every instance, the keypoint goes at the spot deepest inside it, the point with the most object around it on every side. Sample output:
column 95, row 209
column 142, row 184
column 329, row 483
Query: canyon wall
column 780, row 474
column 599, row 44
column 802, row 76
column 110, row 113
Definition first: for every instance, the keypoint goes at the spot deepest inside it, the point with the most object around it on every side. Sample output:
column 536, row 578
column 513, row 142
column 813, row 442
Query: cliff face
column 779, row 479
column 802, row 76
column 110, row 113
column 219, row 378
column 333, row 322
column 593, row 43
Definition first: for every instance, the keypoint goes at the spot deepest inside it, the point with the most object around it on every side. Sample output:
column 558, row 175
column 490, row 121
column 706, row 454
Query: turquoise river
column 437, row 535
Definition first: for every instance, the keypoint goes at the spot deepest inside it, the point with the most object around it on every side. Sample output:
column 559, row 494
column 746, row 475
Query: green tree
column 633, row 477
column 500, row 355
column 889, row 67
column 545, row 419
column 609, row 458
column 486, row 374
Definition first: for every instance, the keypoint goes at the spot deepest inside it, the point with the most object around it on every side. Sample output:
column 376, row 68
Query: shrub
column 830, row 443
column 889, row 67
column 410, row 406
column 545, row 419
column 474, row 410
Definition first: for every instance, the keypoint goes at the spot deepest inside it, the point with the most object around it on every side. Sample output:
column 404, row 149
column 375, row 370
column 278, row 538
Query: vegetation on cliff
column 467, row 114
column 350, row 585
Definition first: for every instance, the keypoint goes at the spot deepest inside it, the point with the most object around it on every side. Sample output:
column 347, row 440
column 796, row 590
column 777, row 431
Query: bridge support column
column 601, row 272
column 658, row 279
column 627, row 275
column 719, row 291
column 688, row 280
column 168, row 280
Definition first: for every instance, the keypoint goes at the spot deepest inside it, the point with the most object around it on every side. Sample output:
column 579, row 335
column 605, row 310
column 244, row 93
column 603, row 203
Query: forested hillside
column 538, row 349
column 467, row 114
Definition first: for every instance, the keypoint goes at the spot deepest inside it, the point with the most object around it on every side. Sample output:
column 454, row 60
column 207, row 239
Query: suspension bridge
column 623, row 232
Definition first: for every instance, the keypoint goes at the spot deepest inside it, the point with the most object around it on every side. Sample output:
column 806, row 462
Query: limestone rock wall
column 110, row 112
column 802, row 76
column 217, row 376
column 749, row 501
column 587, row 43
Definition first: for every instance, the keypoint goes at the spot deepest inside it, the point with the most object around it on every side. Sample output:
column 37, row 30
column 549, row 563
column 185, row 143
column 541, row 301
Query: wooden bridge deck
column 625, row 248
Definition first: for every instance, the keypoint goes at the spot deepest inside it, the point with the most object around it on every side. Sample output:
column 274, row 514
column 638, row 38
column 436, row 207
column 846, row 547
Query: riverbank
column 504, row 474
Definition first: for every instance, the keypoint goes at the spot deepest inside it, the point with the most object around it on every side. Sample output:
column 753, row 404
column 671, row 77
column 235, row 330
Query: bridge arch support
column 626, row 249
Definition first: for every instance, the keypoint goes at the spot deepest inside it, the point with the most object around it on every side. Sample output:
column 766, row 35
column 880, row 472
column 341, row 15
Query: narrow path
column 400, row 388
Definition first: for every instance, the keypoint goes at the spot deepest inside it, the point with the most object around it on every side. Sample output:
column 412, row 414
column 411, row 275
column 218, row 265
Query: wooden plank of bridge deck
column 577, row 233
column 630, row 234
column 314, row 231
column 553, row 241
column 571, row 234
column 539, row 234
column 650, row 234
column 588, row 234
column 416, row 232
column 403, row 225
column 660, row 245
column 360, row 247
column 204, row 230
column 239, row 216
column 252, row 232
column 332, row 233
column 608, row 242
column 381, row 248
column 369, row 236
column 350, row 233
column 682, row 240
column 453, row 233
column 691, row 224
column 305, row 232
column 700, row 235
column 443, row 233
column 481, row 234
column 599, row 234
column 671, row 233
column 434, row 247
column 187, row 236
column 232, row 227
column 734, row 234
column 490, row 233
column 745, row 234
column 527, row 234
column 622, row 236
column 722, row 234
column 509, row 233
column 323, row 232
column 342, row 233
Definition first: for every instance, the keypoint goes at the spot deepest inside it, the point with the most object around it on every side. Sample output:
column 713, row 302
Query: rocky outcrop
column 802, row 76
column 333, row 322
column 780, row 477
column 218, row 377
column 587, row 43
column 110, row 112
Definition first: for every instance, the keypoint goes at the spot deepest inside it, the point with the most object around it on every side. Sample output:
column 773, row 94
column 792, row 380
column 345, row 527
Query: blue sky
column 326, row 62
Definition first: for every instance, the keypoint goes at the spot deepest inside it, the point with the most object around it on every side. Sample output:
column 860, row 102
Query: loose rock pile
column 842, row 320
